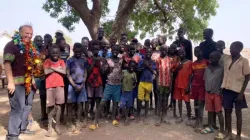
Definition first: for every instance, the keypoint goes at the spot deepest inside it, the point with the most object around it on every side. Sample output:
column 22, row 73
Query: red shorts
column 198, row 92
column 179, row 94
column 213, row 102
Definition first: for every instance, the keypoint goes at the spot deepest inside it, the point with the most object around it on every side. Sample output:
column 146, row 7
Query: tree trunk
column 123, row 13
column 91, row 18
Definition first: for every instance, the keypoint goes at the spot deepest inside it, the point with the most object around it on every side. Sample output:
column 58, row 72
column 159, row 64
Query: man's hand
column 11, row 88
column 187, row 90
column 240, row 97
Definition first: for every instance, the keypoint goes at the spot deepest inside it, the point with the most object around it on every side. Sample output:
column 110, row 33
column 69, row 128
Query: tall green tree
column 146, row 16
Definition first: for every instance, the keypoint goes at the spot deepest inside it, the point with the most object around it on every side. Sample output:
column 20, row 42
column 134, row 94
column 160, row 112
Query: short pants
column 144, row 91
column 55, row 96
column 198, row 92
column 229, row 100
column 74, row 97
column 126, row 99
column 135, row 92
column 164, row 90
column 112, row 92
column 179, row 94
column 95, row 92
column 213, row 102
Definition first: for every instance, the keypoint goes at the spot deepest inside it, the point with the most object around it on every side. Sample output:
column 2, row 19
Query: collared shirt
column 223, row 57
column 164, row 66
column 234, row 77
column 213, row 80
column 13, row 55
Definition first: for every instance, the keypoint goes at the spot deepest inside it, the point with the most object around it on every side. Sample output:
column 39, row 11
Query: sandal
column 198, row 130
column 132, row 117
column 115, row 123
column 93, row 126
column 207, row 130
column 220, row 136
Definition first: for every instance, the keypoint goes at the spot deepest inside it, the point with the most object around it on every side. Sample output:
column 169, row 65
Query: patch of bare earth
column 108, row 132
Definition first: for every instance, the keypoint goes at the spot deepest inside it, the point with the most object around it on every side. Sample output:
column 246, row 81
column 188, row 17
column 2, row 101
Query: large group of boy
column 125, row 74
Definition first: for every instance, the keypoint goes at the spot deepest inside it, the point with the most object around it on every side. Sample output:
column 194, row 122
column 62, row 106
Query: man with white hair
column 20, row 89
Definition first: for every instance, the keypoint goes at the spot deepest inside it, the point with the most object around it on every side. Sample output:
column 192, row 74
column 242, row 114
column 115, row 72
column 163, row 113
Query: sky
column 232, row 22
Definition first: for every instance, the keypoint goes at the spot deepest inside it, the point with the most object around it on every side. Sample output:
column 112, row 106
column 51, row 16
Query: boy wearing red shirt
column 54, row 69
column 198, row 86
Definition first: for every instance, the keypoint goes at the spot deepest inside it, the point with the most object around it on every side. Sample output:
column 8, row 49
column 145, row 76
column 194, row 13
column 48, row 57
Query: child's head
column 163, row 50
column 154, row 43
column 208, row 34
column 235, row 48
column 95, row 47
column 112, row 41
column 54, row 52
column 214, row 58
column 131, row 66
column 131, row 50
column 197, row 52
column 115, row 50
column 173, row 49
column 181, row 53
column 148, row 53
column 147, row 43
column 181, row 32
column 77, row 49
column 162, row 39
column 220, row 46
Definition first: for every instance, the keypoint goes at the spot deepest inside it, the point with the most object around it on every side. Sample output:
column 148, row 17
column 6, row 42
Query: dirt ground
column 108, row 132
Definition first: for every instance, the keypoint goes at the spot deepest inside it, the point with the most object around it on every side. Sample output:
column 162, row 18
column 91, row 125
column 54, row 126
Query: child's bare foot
column 179, row 120
column 145, row 122
column 49, row 132
column 71, row 128
column 85, row 123
column 238, row 137
column 175, row 115
column 138, row 119
column 158, row 123
column 126, row 123
column 57, row 129
column 167, row 122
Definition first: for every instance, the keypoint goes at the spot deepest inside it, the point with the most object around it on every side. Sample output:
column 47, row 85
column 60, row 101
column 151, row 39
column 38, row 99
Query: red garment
column 198, row 69
column 143, row 51
column 213, row 102
column 164, row 66
column 182, row 77
column 180, row 95
column 95, row 78
column 54, row 79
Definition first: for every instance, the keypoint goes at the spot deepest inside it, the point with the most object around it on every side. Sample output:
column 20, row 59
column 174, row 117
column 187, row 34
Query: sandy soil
column 107, row 131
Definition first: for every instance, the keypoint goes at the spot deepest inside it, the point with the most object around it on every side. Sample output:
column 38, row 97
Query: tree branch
column 123, row 13
column 165, row 13
column 96, row 8
column 91, row 18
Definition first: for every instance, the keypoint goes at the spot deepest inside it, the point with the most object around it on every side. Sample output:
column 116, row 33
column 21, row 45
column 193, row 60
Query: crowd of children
column 99, row 73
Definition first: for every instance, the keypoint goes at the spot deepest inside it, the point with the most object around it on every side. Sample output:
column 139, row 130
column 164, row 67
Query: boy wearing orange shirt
column 181, row 87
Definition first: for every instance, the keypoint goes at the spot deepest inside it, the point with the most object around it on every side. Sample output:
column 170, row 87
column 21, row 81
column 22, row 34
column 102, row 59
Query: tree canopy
column 143, row 16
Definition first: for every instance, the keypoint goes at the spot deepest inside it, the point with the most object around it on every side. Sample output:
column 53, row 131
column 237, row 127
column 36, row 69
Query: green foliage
column 193, row 15
column 148, row 16
column 107, row 26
